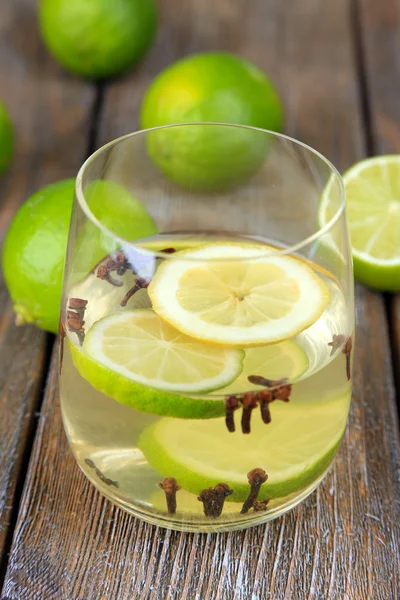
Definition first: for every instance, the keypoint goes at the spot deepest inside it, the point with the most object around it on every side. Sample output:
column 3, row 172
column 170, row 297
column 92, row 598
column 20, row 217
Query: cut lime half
column 139, row 360
column 295, row 449
column 373, row 210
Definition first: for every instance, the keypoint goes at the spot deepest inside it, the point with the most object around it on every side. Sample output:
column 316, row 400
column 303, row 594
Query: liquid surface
column 127, row 452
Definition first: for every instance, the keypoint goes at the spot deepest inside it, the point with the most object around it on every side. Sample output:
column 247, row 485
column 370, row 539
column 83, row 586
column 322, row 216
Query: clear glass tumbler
column 207, row 324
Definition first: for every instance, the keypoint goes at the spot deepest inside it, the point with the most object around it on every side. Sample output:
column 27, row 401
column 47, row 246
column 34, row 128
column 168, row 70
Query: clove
column 221, row 492
column 62, row 333
column 140, row 284
column 279, row 389
column 259, row 505
column 104, row 273
column 347, row 351
column 168, row 250
column 264, row 398
column 118, row 262
column 77, row 304
column 170, row 487
column 337, row 342
column 249, row 402
column 213, row 499
column 231, row 404
column 256, row 478
column 205, row 497
column 75, row 313
column 282, row 392
column 101, row 475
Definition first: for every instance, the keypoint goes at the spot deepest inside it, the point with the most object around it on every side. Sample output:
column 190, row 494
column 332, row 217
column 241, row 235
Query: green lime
column 6, row 138
column 295, row 449
column 285, row 360
column 97, row 38
column 211, row 87
column 373, row 211
column 36, row 244
column 34, row 254
column 140, row 397
column 140, row 360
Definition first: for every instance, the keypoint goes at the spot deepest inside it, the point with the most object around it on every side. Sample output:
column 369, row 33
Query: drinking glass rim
column 172, row 256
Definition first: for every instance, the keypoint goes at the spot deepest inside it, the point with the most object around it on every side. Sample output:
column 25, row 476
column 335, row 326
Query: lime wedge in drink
column 294, row 449
column 286, row 360
column 373, row 209
column 139, row 360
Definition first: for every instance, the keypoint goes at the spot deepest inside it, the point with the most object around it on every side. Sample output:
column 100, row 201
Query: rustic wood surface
column 380, row 37
column 47, row 109
column 343, row 542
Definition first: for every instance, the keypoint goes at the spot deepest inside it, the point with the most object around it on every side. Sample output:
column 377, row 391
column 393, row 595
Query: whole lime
column 97, row 38
column 36, row 243
column 6, row 138
column 34, row 254
column 215, row 87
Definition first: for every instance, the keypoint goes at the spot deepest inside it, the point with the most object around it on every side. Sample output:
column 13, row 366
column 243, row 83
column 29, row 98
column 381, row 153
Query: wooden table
column 337, row 65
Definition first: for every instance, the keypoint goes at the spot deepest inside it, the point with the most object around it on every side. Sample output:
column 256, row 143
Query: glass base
column 218, row 525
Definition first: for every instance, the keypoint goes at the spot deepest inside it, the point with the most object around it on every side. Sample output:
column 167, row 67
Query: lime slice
column 373, row 210
column 139, row 360
column 286, row 360
column 213, row 295
column 294, row 449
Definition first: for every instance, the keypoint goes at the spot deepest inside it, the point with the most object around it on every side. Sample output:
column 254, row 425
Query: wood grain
column 394, row 324
column 49, row 113
column 380, row 34
column 379, row 24
column 343, row 542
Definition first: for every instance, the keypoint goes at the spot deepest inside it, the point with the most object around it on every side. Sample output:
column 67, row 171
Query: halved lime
column 295, row 449
column 213, row 294
column 139, row 360
column 373, row 209
column 286, row 360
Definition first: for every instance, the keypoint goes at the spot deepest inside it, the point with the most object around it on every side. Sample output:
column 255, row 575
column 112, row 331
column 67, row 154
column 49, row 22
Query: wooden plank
column 49, row 112
column 342, row 543
column 379, row 25
column 379, row 32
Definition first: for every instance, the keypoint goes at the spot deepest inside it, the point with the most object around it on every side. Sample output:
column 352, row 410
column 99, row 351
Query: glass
column 207, row 322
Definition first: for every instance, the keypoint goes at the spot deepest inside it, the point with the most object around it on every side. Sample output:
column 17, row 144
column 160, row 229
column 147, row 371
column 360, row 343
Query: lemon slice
column 213, row 294
column 286, row 360
column 294, row 449
column 140, row 346
column 373, row 210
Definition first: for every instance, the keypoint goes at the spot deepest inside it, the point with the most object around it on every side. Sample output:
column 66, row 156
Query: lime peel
column 140, row 346
column 192, row 454
column 373, row 210
column 125, row 391
column 120, row 343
